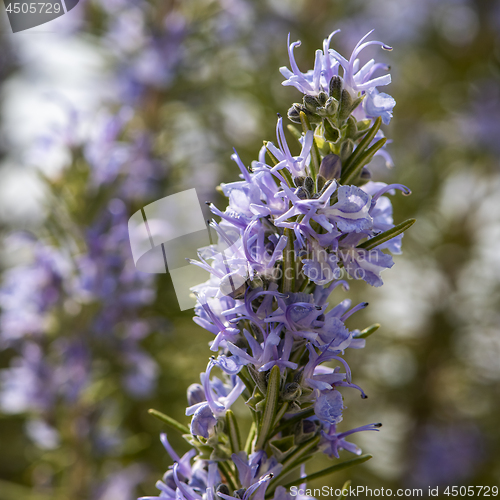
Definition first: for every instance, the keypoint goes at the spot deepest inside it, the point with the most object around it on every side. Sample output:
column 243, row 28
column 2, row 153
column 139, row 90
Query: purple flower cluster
column 293, row 228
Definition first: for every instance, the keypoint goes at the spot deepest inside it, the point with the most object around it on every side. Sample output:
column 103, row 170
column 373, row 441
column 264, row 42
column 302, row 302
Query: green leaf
column 386, row 235
column 367, row 331
column 250, row 438
column 329, row 470
column 271, row 407
column 233, row 431
column 255, row 402
column 170, row 421
column 296, row 418
column 367, row 139
column 332, row 133
column 282, row 447
column 281, row 412
column 303, row 450
column 345, row 488
column 346, row 149
column 259, row 378
column 345, row 105
column 364, row 158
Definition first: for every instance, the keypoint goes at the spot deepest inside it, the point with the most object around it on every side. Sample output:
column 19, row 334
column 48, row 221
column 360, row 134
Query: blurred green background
column 195, row 79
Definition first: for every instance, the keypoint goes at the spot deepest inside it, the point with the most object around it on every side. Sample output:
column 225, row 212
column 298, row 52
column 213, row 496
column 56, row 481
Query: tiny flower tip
column 377, row 425
column 364, row 396
column 208, row 203
column 406, row 192
column 279, row 115
column 386, row 47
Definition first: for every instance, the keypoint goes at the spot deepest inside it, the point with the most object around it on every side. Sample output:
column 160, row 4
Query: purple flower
column 219, row 398
column 313, row 81
column 328, row 407
column 333, row 441
column 357, row 80
column 379, row 104
column 186, row 481
column 365, row 264
column 295, row 164
column 351, row 212
column 381, row 211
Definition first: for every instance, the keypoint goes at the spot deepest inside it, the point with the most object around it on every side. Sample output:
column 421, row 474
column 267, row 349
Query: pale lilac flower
column 333, row 441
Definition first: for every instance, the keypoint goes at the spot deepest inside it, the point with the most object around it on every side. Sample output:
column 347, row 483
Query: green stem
column 304, row 284
column 315, row 156
column 233, row 432
column 226, row 471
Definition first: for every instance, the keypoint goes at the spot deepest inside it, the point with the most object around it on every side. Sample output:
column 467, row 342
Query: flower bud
column 302, row 193
column 311, row 103
column 292, row 391
column 309, row 184
column 336, row 85
column 222, row 488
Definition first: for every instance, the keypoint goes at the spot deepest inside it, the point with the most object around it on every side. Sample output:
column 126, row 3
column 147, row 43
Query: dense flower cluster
column 294, row 227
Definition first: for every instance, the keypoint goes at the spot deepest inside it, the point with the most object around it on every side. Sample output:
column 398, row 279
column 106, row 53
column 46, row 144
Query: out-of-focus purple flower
column 29, row 292
column 446, row 455
column 122, row 484
column 29, row 384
